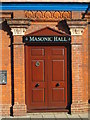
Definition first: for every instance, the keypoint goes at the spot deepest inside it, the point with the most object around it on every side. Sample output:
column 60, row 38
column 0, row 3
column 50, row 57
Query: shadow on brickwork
column 62, row 25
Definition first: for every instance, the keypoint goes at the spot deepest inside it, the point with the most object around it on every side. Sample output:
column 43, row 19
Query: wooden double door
column 46, row 77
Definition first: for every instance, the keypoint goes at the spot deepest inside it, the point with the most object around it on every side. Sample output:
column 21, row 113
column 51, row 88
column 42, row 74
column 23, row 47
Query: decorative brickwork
column 18, row 31
column 48, row 15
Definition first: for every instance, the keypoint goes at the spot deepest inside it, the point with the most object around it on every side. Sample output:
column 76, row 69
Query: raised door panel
column 38, row 70
column 58, row 94
column 37, row 52
column 58, row 70
column 38, row 95
column 57, row 51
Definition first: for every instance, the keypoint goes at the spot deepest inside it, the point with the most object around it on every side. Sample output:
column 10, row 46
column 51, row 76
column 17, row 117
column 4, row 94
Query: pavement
column 50, row 116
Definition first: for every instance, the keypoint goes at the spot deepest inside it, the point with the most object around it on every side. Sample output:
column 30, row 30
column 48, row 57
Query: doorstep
column 50, row 116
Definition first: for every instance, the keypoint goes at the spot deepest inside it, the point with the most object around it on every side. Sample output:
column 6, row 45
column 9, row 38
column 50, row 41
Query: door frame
column 69, row 75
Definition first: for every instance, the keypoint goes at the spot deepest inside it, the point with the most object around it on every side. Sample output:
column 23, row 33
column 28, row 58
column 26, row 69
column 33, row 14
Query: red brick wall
column 85, row 64
column 77, row 80
column 80, row 72
column 5, row 95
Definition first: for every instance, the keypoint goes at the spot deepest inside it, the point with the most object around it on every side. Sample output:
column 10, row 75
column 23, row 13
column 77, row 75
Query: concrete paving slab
column 85, row 119
column 36, row 116
column 36, row 119
column 85, row 115
column 62, row 119
column 73, row 116
column 15, row 119
column 0, row 118
column 47, row 113
column 75, row 119
column 49, row 116
column 60, row 115
column 89, row 115
column 36, row 113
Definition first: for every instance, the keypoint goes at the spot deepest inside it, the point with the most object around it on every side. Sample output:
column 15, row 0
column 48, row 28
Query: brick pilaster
column 19, row 77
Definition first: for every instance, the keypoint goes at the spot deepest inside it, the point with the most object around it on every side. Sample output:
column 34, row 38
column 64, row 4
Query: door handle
column 57, row 84
column 37, row 64
column 37, row 85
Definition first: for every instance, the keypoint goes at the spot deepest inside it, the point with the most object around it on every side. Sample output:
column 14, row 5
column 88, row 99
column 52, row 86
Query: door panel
column 38, row 95
column 37, row 52
column 38, row 70
column 57, row 51
column 58, row 92
column 57, row 65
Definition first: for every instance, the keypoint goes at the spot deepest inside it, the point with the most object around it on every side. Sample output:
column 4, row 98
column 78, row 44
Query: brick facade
column 5, row 96
column 79, row 73
column 13, row 60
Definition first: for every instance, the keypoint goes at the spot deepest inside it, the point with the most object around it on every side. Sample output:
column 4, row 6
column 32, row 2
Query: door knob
column 37, row 85
column 57, row 84
column 37, row 64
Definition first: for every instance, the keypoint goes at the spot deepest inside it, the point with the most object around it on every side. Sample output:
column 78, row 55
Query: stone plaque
column 3, row 77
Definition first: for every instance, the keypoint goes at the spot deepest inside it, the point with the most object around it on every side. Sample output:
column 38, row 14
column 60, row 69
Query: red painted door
column 57, row 77
column 36, row 81
column 46, row 77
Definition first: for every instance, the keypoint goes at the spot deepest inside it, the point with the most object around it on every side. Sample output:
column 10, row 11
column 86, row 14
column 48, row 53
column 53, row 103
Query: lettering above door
column 27, row 39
